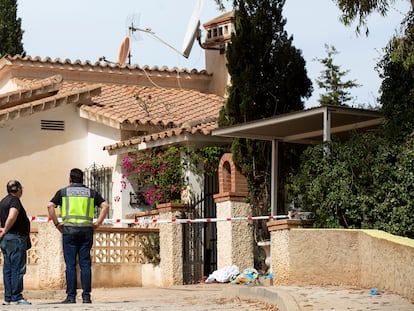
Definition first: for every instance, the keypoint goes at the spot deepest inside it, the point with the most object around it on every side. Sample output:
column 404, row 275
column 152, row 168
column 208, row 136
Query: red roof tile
column 152, row 105
column 62, row 98
column 162, row 112
column 31, row 91
column 203, row 127
column 88, row 65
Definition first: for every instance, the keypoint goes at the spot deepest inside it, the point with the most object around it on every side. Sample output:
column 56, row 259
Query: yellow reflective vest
column 78, row 205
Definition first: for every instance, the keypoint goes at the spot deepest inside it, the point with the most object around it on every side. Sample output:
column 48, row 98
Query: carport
column 311, row 126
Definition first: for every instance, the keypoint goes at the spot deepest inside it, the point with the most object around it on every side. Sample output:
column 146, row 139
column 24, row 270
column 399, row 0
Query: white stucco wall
column 100, row 135
column 216, row 63
column 41, row 159
column 7, row 85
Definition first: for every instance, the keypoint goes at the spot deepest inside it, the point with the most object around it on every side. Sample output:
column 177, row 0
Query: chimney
column 219, row 31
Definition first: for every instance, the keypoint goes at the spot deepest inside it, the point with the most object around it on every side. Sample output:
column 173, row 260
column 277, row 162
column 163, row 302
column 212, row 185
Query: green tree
column 397, row 87
column 268, row 77
column 331, row 80
column 356, row 10
column 366, row 182
column 360, row 10
column 11, row 33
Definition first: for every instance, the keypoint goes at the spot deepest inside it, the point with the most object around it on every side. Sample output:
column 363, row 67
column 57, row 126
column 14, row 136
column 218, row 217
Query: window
column 99, row 178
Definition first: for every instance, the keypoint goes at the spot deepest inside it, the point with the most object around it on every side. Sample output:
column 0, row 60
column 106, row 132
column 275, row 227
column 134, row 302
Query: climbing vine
column 161, row 173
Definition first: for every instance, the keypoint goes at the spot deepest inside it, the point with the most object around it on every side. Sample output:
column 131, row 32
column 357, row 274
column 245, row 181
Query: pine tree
column 359, row 10
column 331, row 80
column 11, row 33
column 356, row 10
column 268, row 77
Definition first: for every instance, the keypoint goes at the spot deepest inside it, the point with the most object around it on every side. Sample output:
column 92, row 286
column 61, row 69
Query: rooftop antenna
column 191, row 34
column 193, row 29
column 123, row 51
column 132, row 23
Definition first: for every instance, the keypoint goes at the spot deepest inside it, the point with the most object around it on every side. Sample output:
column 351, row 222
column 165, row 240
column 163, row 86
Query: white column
column 326, row 128
column 274, row 177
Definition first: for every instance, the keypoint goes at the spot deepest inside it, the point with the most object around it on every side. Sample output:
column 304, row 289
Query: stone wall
column 234, row 238
column 171, row 242
column 361, row 258
column 117, row 258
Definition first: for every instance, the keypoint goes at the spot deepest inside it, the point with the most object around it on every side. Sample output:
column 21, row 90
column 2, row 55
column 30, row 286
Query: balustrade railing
column 111, row 245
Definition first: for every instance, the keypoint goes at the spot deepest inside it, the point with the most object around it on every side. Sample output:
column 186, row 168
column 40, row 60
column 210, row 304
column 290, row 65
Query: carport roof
column 305, row 126
column 309, row 126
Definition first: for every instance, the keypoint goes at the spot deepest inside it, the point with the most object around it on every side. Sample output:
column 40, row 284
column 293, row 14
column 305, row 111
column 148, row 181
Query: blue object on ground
column 374, row 291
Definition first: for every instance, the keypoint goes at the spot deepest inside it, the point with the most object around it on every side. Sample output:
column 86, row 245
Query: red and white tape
column 166, row 221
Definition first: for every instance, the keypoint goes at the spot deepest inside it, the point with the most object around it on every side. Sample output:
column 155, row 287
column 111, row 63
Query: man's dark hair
column 76, row 176
column 13, row 186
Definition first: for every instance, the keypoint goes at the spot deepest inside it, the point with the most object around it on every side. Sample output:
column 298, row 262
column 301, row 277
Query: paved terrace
column 202, row 297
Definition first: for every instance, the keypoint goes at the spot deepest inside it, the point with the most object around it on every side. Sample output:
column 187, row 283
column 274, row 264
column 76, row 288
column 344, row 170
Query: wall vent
column 52, row 125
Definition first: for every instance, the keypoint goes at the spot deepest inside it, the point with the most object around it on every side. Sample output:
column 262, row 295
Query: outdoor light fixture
column 133, row 199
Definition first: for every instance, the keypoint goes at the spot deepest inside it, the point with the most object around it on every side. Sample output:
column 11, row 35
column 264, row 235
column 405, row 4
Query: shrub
column 365, row 182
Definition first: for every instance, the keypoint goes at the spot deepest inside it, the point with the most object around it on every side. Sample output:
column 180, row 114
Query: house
column 58, row 114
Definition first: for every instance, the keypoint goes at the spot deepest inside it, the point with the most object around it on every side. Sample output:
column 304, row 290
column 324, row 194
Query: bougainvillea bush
column 161, row 173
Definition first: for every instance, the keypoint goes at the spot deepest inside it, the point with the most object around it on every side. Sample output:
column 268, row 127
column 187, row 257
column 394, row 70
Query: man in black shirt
column 14, row 243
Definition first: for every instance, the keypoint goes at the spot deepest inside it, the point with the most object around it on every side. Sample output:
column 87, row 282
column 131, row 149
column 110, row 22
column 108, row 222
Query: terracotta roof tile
column 184, row 111
column 87, row 65
column 64, row 97
column 203, row 127
column 152, row 105
column 169, row 111
column 31, row 91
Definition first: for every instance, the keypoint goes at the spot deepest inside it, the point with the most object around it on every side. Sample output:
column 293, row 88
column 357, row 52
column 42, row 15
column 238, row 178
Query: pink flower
column 126, row 163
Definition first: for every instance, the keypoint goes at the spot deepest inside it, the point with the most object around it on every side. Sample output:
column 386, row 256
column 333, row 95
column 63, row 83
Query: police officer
column 77, row 203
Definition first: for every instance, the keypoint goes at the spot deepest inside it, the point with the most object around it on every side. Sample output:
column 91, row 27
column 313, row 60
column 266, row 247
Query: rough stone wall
column 51, row 263
column 361, row 258
column 171, row 252
column 234, row 238
column 387, row 262
column 280, row 259
column 324, row 255
column 46, row 268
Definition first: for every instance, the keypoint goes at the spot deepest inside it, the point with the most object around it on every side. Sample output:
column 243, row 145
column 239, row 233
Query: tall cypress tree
column 268, row 74
column 11, row 33
column 268, row 77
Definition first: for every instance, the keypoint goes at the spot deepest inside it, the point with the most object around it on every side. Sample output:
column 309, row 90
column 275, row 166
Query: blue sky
column 87, row 30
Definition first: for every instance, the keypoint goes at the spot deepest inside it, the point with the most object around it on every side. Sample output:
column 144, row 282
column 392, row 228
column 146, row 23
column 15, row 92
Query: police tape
column 174, row 220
